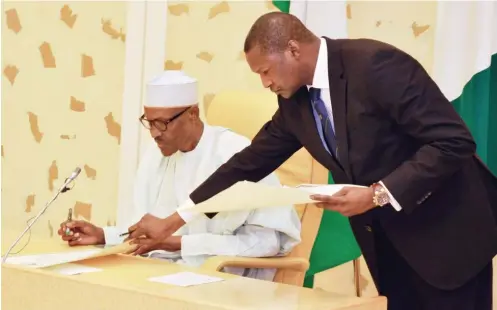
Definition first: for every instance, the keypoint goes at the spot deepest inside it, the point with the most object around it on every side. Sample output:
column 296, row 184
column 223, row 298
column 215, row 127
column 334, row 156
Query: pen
column 69, row 218
column 124, row 234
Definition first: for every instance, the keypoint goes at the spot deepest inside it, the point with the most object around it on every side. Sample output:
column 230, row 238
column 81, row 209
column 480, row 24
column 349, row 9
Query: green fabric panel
column 309, row 281
column 335, row 242
column 282, row 5
column 477, row 105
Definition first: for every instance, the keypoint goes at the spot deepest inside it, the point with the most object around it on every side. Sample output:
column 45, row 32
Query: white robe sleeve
column 111, row 235
column 249, row 241
column 270, row 232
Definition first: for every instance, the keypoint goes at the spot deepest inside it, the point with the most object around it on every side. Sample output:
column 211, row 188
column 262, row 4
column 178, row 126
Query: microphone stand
column 63, row 189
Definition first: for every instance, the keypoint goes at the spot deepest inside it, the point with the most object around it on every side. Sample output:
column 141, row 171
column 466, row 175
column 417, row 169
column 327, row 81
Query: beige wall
column 62, row 68
column 206, row 40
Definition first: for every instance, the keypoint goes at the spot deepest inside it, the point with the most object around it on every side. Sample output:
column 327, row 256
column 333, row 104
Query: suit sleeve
column 272, row 145
column 400, row 85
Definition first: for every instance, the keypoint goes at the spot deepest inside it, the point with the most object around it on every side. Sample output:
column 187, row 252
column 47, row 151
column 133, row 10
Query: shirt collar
column 320, row 79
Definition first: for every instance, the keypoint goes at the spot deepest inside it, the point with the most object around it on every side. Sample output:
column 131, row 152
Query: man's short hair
column 272, row 31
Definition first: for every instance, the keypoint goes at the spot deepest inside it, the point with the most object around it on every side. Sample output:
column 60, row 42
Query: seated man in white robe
column 187, row 151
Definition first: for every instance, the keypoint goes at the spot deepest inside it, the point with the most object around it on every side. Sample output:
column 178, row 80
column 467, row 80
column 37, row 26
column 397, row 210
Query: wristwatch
column 380, row 195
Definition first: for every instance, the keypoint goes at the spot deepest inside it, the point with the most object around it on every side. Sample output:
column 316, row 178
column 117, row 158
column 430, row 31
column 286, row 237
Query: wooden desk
column 123, row 285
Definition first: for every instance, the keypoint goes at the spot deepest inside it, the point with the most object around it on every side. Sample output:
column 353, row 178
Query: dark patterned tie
column 326, row 123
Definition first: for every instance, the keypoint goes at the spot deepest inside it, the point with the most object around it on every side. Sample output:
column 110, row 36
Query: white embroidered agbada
column 164, row 183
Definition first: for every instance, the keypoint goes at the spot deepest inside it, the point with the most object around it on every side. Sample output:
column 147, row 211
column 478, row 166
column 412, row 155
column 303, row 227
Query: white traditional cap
column 172, row 89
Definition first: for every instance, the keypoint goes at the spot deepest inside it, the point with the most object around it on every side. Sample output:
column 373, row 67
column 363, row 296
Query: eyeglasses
column 159, row 124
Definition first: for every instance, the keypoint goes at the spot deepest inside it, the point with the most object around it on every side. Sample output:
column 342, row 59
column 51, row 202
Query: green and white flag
column 465, row 68
column 335, row 243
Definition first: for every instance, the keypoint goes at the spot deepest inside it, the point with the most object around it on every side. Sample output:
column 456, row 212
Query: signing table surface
column 122, row 284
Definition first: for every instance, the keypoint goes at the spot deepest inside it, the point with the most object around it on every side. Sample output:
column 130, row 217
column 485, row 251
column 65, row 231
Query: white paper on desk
column 74, row 269
column 51, row 259
column 248, row 195
column 185, row 279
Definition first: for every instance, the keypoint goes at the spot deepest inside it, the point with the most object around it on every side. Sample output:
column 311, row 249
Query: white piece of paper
column 50, row 259
column 328, row 189
column 74, row 269
column 185, row 279
column 249, row 195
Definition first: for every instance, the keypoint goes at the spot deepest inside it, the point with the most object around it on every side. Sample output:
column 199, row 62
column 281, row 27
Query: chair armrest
column 217, row 263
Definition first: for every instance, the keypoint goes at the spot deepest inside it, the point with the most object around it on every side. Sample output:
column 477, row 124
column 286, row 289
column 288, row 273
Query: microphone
column 71, row 178
column 62, row 189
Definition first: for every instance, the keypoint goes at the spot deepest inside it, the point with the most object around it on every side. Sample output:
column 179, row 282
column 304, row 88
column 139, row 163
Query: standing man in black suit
column 371, row 114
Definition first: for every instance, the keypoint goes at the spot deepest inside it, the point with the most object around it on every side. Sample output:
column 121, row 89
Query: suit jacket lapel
column 338, row 93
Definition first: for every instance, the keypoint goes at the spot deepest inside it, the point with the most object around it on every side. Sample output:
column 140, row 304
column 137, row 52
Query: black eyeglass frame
column 159, row 124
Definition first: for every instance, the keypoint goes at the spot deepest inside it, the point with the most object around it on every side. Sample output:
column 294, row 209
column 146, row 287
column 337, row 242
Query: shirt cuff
column 111, row 235
column 187, row 215
column 198, row 244
column 393, row 202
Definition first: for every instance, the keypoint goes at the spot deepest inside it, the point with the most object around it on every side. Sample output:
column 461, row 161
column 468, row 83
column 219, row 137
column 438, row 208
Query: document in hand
column 52, row 259
column 248, row 195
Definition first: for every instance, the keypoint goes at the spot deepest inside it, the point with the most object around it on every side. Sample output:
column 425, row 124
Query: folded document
column 248, row 195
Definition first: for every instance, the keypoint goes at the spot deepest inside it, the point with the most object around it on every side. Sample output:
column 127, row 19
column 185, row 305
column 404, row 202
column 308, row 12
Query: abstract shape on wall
column 90, row 172
column 67, row 137
column 171, row 65
column 30, row 202
column 76, row 105
column 207, row 100
column 349, row 11
column 241, row 56
column 113, row 127
column 50, row 229
column 112, row 32
column 67, row 16
column 47, row 55
column 178, row 9
column 13, row 22
column 219, row 8
column 82, row 209
column 11, row 72
column 418, row 30
column 205, row 56
column 53, row 174
column 35, row 130
column 2, row 151
column 87, row 66
column 378, row 23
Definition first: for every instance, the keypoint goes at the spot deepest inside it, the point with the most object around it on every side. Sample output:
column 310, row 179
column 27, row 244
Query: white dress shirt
column 321, row 81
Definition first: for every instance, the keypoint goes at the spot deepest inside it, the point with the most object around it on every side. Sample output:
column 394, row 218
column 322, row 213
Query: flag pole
column 357, row 277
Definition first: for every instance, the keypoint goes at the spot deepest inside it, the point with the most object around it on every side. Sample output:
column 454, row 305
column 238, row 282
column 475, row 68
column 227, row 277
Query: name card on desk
column 185, row 279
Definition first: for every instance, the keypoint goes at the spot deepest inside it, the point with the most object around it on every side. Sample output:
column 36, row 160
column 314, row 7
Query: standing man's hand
column 155, row 229
column 349, row 201
column 81, row 233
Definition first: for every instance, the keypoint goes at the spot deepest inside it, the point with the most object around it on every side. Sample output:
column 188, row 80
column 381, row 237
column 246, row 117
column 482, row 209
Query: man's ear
column 294, row 48
column 194, row 112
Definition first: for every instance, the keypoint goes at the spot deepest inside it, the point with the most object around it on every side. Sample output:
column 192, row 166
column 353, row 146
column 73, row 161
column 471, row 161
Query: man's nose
column 154, row 132
column 266, row 82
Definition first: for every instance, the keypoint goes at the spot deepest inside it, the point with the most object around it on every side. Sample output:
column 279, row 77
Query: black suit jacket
column 392, row 124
